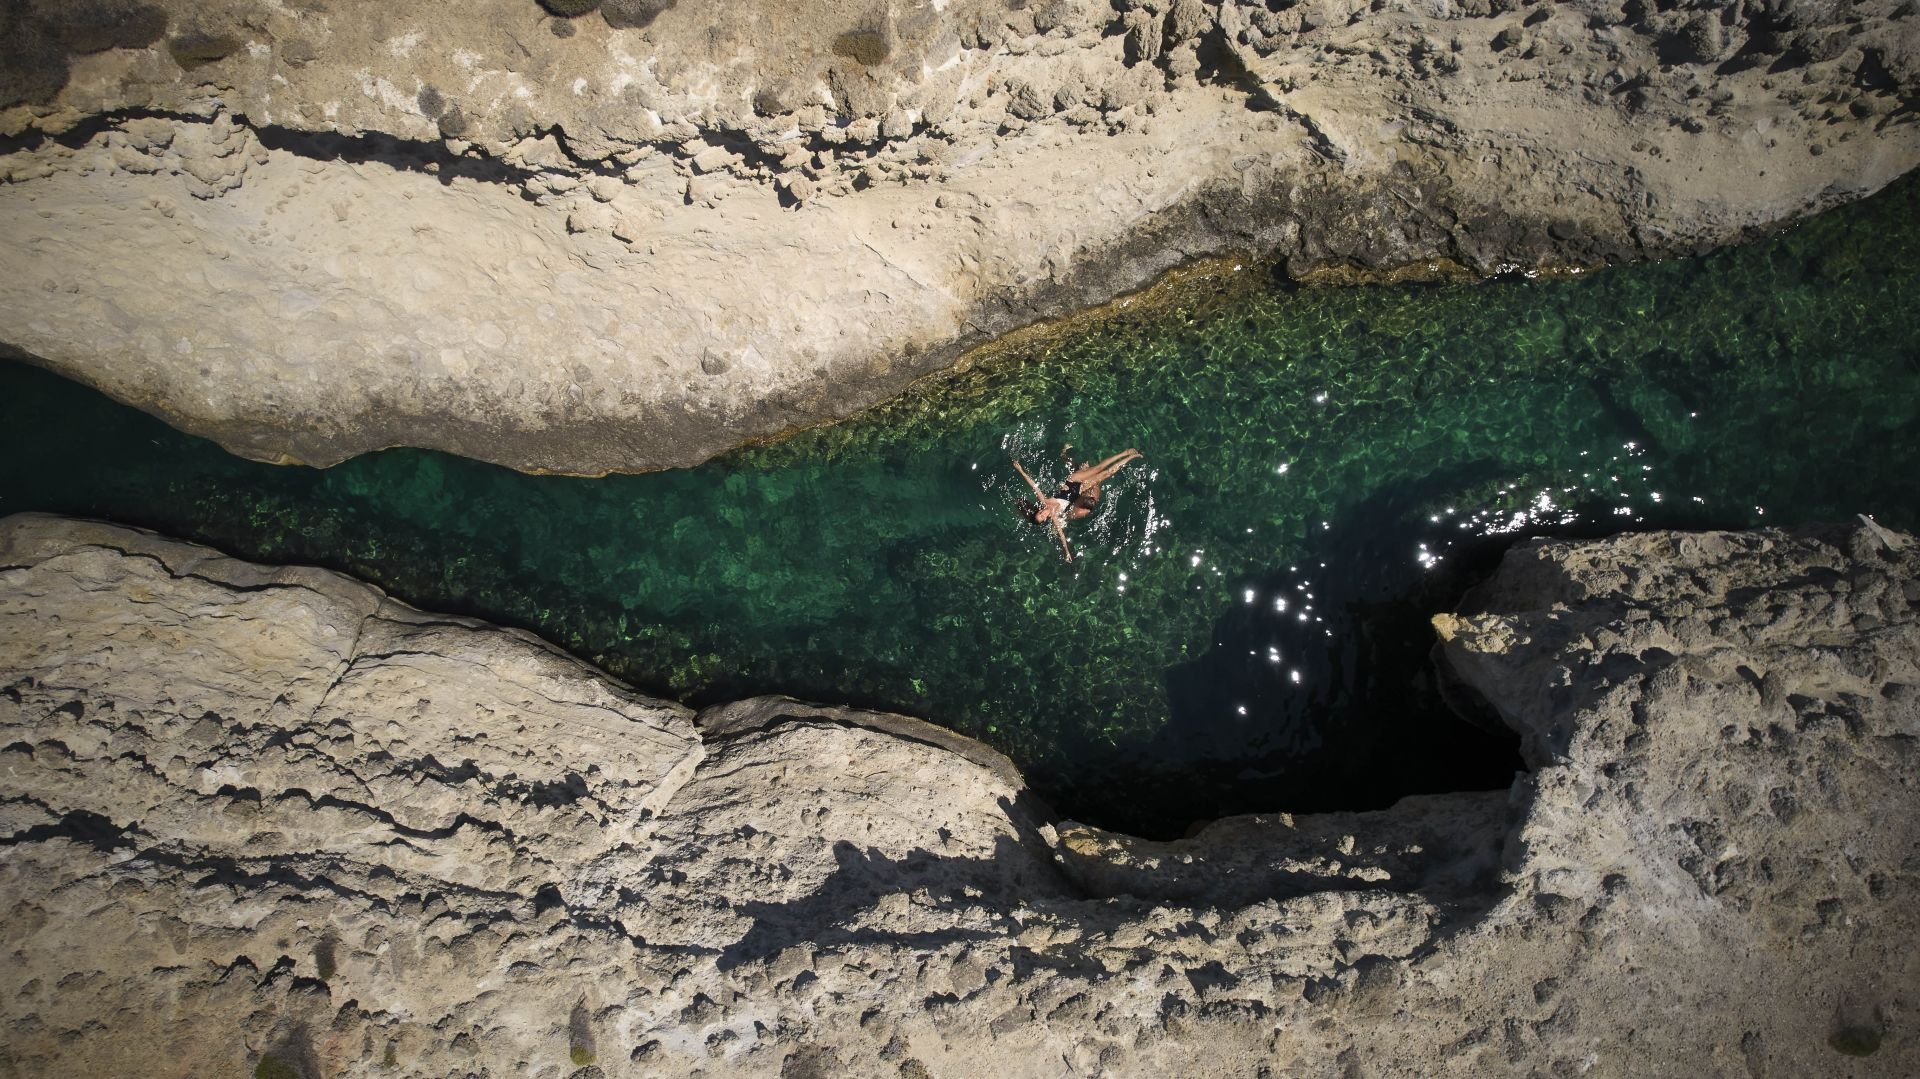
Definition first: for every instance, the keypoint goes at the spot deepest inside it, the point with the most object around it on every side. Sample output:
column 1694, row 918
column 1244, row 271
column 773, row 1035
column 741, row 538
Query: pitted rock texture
column 268, row 820
column 636, row 238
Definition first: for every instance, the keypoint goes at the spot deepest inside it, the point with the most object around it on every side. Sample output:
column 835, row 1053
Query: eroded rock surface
column 258, row 814
column 635, row 238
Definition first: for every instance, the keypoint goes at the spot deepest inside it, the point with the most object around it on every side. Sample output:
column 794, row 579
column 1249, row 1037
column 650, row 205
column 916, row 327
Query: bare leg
column 1105, row 469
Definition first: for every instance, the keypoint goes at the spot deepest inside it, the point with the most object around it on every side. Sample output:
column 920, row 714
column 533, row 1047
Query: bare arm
column 1059, row 526
column 1030, row 483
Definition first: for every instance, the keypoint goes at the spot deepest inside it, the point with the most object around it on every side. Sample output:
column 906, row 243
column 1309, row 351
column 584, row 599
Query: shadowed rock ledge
column 637, row 238
column 267, row 814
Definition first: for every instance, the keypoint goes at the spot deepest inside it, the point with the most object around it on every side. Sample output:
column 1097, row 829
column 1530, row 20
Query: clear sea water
column 1245, row 627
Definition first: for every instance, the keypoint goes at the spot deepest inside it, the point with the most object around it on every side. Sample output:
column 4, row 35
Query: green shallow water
column 1245, row 626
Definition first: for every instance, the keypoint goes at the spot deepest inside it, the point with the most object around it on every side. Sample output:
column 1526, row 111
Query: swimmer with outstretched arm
column 1044, row 512
column 1076, row 497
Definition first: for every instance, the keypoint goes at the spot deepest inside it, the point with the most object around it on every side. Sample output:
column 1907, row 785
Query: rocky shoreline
column 637, row 238
column 269, row 820
column 264, row 818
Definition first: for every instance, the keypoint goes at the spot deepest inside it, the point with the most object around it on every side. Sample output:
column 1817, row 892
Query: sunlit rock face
column 268, row 820
column 634, row 238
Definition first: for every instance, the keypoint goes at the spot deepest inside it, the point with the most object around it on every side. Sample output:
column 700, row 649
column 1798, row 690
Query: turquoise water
column 1245, row 625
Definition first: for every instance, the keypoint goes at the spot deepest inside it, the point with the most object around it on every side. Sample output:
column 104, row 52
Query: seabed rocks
column 640, row 237
column 262, row 818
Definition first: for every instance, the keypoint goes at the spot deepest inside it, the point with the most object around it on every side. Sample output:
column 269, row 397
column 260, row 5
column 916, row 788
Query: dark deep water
column 1246, row 625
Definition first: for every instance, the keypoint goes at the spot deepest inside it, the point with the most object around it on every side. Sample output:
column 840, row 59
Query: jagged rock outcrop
column 635, row 238
column 268, row 819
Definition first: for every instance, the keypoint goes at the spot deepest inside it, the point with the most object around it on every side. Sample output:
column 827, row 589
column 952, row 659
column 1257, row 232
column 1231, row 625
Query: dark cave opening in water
column 1246, row 627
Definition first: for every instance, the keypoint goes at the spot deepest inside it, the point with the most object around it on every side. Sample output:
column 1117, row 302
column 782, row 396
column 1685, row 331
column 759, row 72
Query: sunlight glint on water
column 1245, row 622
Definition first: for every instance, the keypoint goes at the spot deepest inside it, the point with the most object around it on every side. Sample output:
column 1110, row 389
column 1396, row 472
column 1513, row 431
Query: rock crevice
column 589, row 244
column 256, row 813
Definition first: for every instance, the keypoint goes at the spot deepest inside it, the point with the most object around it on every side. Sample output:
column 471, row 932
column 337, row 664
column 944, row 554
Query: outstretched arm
column 1030, row 483
column 1059, row 526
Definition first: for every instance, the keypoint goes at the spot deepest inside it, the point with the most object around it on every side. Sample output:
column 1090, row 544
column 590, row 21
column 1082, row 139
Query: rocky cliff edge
column 638, row 237
column 267, row 820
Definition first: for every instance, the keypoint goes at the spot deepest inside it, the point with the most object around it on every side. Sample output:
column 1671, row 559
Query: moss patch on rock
column 1855, row 1041
column 108, row 24
column 197, row 48
column 33, row 66
column 633, row 14
column 272, row 1067
column 865, row 47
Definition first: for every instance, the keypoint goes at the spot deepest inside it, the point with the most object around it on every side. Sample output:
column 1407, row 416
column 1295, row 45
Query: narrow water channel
column 1246, row 624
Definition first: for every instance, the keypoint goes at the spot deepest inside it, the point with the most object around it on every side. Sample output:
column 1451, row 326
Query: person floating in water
column 1076, row 497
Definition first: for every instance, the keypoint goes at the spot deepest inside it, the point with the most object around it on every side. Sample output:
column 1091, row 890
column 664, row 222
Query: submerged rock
column 445, row 226
column 265, row 818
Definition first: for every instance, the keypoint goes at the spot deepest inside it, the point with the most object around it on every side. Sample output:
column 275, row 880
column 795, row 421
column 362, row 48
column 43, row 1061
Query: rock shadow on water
column 1315, row 693
column 1319, row 693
